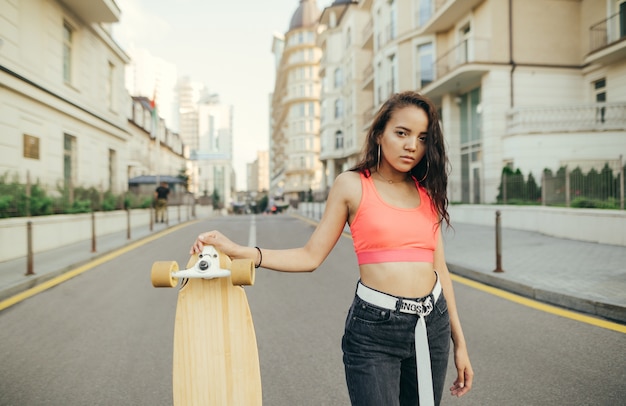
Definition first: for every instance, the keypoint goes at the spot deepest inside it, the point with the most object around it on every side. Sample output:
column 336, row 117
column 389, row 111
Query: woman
column 395, row 202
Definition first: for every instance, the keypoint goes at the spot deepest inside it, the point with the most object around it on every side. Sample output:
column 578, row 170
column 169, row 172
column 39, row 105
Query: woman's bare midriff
column 403, row 279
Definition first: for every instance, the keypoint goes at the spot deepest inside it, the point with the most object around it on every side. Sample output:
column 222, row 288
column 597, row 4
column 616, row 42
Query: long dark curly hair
column 432, row 170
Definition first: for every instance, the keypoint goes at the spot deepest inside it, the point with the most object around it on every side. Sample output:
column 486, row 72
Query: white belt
column 421, row 308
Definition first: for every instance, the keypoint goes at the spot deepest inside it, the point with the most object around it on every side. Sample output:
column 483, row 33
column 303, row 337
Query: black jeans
column 379, row 353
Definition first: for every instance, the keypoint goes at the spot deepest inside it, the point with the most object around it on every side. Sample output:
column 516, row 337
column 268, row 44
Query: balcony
column 448, row 13
column 572, row 118
column 462, row 65
column 467, row 51
column 607, row 40
column 95, row 11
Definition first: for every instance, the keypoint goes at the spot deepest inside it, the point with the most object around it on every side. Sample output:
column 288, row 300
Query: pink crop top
column 384, row 233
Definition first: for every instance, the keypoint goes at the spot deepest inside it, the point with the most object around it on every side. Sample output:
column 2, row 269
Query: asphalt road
column 105, row 337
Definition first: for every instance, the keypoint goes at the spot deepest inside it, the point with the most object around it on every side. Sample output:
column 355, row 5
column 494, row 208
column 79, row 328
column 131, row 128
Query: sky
column 227, row 45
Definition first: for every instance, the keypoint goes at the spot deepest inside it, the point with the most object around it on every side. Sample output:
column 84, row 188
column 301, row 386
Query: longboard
column 216, row 360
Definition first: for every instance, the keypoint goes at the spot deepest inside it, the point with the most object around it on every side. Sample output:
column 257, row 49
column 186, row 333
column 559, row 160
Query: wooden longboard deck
column 216, row 360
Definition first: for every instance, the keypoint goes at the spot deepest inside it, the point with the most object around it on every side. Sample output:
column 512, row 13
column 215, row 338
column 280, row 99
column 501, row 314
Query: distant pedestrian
column 160, row 196
column 397, row 334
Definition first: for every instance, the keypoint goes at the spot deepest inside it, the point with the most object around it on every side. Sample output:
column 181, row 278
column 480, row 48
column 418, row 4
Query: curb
column 605, row 310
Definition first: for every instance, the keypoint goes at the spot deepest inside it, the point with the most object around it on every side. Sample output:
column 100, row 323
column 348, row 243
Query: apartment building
column 153, row 148
column 294, row 135
column 528, row 84
column 66, row 117
column 258, row 173
column 346, row 95
column 212, row 162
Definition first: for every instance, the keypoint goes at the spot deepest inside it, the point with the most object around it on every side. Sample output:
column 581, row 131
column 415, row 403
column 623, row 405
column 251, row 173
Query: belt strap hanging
column 424, row 373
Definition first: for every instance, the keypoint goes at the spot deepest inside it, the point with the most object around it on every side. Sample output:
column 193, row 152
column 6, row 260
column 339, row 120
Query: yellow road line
column 540, row 306
column 91, row 264
column 523, row 300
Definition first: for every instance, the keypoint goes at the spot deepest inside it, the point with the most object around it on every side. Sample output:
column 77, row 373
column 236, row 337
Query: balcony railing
column 585, row 117
column 607, row 31
column 467, row 51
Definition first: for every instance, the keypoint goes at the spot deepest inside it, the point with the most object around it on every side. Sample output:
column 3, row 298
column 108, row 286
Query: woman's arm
column 463, row 382
column 314, row 252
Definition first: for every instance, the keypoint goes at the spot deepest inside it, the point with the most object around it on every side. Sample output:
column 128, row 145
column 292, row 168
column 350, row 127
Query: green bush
column 79, row 206
column 6, row 203
column 588, row 203
column 109, row 203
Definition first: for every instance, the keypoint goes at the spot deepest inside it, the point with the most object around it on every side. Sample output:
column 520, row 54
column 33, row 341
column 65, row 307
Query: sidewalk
column 49, row 264
column 581, row 276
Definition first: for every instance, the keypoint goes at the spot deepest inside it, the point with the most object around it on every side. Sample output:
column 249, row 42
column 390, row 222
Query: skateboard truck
column 207, row 267
column 210, row 264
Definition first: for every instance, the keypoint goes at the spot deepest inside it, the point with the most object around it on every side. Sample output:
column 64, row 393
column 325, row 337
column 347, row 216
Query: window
column 68, row 33
column 622, row 19
column 425, row 12
column 599, row 89
column 31, row 146
column 338, row 108
column 464, row 51
column 69, row 160
column 425, row 64
column 338, row 78
column 339, row 140
column 470, row 117
column 393, row 20
column 112, row 169
column 392, row 75
column 348, row 37
column 377, row 23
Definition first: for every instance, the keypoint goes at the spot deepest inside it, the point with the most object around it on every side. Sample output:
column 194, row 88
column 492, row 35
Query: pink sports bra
column 384, row 233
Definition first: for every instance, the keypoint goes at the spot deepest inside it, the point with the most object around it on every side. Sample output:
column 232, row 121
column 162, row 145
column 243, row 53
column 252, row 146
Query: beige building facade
column 258, row 173
column 295, row 166
column 525, row 84
column 66, row 117
column 346, row 96
column 519, row 84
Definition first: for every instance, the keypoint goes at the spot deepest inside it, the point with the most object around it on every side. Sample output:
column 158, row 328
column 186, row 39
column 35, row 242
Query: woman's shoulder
column 348, row 179
column 347, row 183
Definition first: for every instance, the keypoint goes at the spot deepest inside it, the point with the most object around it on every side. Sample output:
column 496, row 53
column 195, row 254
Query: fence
column 581, row 187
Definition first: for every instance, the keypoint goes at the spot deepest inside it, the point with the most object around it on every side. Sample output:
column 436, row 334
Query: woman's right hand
column 216, row 239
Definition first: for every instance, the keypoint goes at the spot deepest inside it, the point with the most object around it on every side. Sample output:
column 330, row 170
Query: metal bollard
column 29, row 248
column 93, row 231
column 498, row 243
column 128, row 224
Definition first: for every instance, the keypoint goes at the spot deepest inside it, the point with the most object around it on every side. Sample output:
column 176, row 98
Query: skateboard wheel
column 224, row 261
column 161, row 274
column 242, row 272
